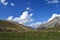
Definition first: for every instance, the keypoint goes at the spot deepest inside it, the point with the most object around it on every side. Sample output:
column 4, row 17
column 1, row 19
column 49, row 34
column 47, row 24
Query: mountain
column 55, row 22
column 10, row 26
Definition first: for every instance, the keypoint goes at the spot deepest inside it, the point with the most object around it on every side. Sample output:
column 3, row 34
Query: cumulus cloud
column 4, row 2
column 10, row 18
column 24, row 18
column 35, row 25
column 53, row 16
column 52, row 1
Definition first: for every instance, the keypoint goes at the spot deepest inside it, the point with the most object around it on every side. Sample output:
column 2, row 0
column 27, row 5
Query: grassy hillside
column 7, row 26
column 30, row 36
column 13, row 31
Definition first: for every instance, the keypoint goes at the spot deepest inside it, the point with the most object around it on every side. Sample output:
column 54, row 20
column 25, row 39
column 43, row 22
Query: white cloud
column 31, row 14
column 29, row 9
column 24, row 15
column 24, row 18
column 10, row 18
column 53, row 16
column 12, row 4
column 4, row 2
column 35, row 25
column 52, row 1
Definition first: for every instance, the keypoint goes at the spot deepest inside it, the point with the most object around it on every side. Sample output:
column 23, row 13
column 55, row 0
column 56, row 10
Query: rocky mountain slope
column 53, row 23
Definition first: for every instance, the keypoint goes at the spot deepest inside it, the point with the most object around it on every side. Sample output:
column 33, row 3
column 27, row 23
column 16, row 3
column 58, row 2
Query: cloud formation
column 35, row 25
column 4, row 2
column 24, row 18
column 52, row 1
column 53, row 16
column 10, row 18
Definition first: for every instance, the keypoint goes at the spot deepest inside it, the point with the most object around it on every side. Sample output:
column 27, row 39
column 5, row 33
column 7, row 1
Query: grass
column 34, row 35
column 13, row 31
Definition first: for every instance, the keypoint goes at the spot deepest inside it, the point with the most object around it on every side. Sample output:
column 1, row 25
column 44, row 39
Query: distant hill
column 53, row 24
column 10, row 26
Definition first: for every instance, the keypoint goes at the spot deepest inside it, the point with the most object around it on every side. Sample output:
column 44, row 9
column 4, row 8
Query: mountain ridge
column 12, row 26
column 52, row 23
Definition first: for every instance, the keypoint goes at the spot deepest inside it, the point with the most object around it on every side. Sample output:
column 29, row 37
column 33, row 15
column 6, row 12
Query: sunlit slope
column 53, row 24
column 9, row 26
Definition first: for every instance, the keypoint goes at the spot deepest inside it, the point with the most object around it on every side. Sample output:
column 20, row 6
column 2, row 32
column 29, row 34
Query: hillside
column 13, row 31
column 53, row 24
column 10, row 26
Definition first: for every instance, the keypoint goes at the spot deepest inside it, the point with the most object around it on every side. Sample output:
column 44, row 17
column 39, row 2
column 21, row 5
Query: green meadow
column 34, row 35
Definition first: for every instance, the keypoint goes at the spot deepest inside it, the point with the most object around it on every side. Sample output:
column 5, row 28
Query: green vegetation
column 14, row 31
column 30, row 36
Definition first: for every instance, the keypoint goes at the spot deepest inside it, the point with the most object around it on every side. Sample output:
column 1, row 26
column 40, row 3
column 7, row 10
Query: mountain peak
column 54, row 16
column 54, row 21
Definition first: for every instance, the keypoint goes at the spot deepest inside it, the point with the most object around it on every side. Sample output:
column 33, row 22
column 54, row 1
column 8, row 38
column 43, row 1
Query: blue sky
column 42, row 10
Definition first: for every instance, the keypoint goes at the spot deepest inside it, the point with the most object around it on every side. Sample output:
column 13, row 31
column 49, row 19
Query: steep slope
column 10, row 26
column 53, row 23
